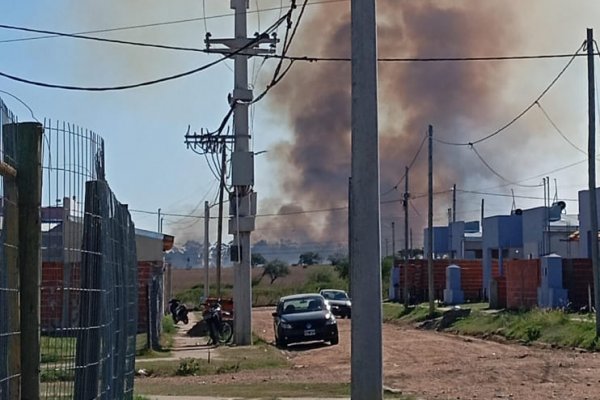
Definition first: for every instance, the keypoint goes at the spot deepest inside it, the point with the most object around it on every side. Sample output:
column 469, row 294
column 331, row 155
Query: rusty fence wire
column 89, row 273
column 10, row 338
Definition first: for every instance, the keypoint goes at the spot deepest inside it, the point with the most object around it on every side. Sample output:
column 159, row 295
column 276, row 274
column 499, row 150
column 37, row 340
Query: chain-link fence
column 89, row 273
column 9, row 279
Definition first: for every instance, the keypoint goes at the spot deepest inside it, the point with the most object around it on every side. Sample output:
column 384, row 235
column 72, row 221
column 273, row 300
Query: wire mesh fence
column 89, row 273
column 9, row 279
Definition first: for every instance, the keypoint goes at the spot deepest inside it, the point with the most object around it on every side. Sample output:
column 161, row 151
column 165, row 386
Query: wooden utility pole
column 430, row 224
column 406, row 248
column 29, row 186
column 220, row 220
column 366, row 342
column 592, row 174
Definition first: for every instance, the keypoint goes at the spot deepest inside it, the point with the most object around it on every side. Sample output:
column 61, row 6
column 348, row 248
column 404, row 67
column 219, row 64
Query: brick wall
column 471, row 278
column 577, row 275
column 522, row 281
column 55, row 290
column 146, row 270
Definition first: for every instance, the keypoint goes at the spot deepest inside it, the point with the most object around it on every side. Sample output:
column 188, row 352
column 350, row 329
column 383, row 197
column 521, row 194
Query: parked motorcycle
column 179, row 311
column 220, row 331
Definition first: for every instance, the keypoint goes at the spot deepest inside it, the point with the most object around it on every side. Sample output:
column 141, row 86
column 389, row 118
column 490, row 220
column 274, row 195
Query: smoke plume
column 455, row 97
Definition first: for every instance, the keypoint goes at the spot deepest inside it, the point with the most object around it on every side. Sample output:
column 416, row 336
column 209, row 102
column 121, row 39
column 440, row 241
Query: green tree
column 336, row 258
column 343, row 268
column 257, row 259
column 276, row 269
column 309, row 258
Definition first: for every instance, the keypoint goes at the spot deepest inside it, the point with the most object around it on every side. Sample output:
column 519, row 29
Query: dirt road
column 444, row 366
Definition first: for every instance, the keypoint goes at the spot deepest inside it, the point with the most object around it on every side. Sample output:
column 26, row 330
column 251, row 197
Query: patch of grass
column 56, row 375
column 165, row 342
column 57, row 349
column 231, row 359
column 394, row 312
column 140, row 397
column 553, row 327
column 168, row 325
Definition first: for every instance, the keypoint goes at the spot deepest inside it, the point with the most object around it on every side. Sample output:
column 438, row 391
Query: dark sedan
column 340, row 303
column 304, row 318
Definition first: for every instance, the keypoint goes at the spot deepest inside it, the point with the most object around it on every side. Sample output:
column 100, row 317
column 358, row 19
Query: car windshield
column 302, row 304
column 335, row 295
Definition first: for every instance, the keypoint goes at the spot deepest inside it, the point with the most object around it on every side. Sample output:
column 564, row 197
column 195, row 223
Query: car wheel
column 280, row 343
column 335, row 340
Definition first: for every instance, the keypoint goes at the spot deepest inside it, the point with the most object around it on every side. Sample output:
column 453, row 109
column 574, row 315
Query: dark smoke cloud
column 455, row 97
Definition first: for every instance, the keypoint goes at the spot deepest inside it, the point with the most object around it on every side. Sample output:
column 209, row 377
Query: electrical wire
column 489, row 167
column 120, row 87
column 155, row 24
column 395, row 187
column 306, row 58
column 521, row 114
column 312, row 59
column 558, row 130
column 289, row 37
column 151, row 82
column 505, row 195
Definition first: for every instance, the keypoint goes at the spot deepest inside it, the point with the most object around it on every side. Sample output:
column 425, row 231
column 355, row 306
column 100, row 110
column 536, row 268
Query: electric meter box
column 242, row 168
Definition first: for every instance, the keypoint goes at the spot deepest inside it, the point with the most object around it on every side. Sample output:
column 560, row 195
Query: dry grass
column 186, row 279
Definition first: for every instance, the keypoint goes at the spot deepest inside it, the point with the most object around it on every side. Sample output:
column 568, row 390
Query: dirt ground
column 433, row 365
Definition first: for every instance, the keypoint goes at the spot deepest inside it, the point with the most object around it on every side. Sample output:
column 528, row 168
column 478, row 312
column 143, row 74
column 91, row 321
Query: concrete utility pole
column 206, row 249
column 406, row 248
column 243, row 200
column 350, row 236
column 592, row 174
column 430, row 224
column 367, row 365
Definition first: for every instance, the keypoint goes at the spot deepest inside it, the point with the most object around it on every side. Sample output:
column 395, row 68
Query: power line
column 522, row 113
column 489, row 167
column 151, row 82
column 409, row 167
column 306, row 58
column 312, row 59
column 115, row 88
column 505, row 195
column 51, row 34
column 557, row 129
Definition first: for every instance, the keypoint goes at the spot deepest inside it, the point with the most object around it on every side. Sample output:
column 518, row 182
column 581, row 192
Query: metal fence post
column 29, row 186
column 10, row 344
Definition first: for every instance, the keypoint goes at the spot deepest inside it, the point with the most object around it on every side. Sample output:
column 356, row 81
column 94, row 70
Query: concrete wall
column 149, row 248
column 440, row 240
column 500, row 232
column 534, row 225
column 585, row 222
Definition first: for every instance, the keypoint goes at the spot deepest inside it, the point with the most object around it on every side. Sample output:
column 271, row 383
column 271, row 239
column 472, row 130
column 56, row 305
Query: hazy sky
column 303, row 122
